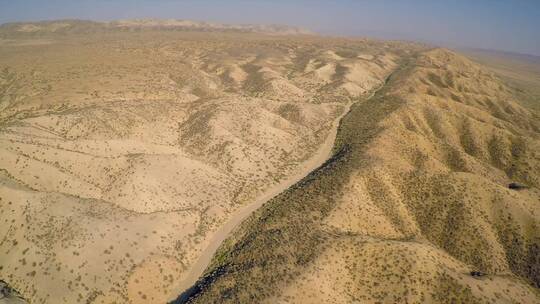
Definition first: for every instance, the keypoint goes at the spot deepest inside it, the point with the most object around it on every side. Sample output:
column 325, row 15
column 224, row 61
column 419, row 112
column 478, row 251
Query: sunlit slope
column 414, row 200
column 122, row 153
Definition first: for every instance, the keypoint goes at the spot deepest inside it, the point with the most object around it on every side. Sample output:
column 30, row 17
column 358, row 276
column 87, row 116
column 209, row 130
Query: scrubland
column 414, row 206
column 123, row 150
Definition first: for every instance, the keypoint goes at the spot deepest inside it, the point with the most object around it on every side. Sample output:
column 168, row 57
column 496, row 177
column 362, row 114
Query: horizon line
column 313, row 32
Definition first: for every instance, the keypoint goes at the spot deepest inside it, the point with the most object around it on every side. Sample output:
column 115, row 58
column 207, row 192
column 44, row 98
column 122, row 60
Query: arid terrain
column 126, row 147
column 148, row 161
column 520, row 72
column 432, row 196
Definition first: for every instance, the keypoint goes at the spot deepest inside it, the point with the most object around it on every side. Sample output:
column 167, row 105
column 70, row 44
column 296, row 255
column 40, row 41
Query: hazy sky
column 511, row 25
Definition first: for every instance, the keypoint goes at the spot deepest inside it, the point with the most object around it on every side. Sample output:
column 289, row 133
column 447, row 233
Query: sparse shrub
column 436, row 80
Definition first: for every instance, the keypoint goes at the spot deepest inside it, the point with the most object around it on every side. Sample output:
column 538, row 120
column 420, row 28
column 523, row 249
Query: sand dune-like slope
column 414, row 207
column 123, row 152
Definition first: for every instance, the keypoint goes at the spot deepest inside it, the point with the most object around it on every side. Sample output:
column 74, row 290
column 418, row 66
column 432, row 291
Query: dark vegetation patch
column 440, row 206
column 410, row 124
column 523, row 255
column 512, row 155
column 449, row 79
column 495, row 109
column 254, row 83
column 432, row 92
column 497, row 148
column 340, row 73
column 454, row 159
column 379, row 192
column 456, row 98
column 290, row 112
column 436, row 80
column 468, row 139
column 434, row 122
column 346, row 53
column 449, row 290
column 302, row 59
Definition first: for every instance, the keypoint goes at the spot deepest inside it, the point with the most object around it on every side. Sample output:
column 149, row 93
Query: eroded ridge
column 415, row 206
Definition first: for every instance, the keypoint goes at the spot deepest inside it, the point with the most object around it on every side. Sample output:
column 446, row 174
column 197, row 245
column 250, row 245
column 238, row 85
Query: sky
column 511, row 25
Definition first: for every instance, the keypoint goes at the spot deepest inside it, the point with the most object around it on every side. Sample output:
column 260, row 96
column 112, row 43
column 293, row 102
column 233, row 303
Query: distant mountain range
column 85, row 26
column 505, row 54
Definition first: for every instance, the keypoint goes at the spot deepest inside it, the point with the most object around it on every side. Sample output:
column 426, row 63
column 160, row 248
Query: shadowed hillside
column 415, row 206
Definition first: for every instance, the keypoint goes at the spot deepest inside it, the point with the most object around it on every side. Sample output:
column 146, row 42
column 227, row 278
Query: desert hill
column 127, row 146
column 123, row 152
column 414, row 207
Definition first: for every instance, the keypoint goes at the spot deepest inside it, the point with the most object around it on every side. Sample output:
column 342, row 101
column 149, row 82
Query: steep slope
column 415, row 205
